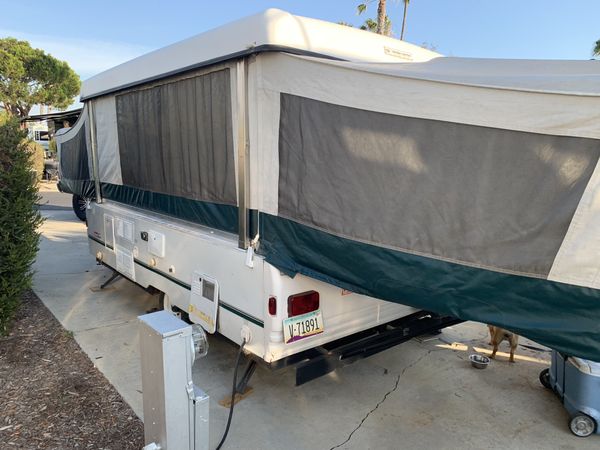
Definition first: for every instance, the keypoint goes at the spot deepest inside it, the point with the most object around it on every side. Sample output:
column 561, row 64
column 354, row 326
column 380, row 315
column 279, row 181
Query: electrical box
column 176, row 412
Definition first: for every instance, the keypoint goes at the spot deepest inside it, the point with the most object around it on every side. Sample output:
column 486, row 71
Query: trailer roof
column 569, row 77
column 270, row 30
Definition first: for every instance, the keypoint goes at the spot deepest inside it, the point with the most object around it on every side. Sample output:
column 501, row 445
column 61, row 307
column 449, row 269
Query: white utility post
column 175, row 410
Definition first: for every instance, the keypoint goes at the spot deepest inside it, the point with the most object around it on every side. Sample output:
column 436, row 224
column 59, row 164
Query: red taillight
column 303, row 303
column 273, row 306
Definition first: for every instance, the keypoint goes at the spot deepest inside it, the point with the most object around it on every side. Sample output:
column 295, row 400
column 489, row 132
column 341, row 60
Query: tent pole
column 242, row 154
column 93, row 142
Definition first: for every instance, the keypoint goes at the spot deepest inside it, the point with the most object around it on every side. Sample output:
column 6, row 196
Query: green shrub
column 19, row 219
column 37, row 157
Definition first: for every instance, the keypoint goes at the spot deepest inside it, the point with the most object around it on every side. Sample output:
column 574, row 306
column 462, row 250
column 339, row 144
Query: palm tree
column 383, row 22
column 597, row 48
column 406, row 2
column 371, row 25
column 381, row 16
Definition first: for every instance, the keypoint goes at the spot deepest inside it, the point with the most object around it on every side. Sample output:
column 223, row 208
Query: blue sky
column 95, row 35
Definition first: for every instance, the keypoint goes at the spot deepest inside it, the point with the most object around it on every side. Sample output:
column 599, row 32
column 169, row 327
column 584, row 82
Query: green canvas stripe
column 163, row 274
column 224, row 305
column 242, row 314
column 214, row 215
column 561, row 316
column 184, row 285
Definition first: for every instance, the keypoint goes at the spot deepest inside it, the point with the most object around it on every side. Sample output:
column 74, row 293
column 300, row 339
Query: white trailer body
column 244, row 292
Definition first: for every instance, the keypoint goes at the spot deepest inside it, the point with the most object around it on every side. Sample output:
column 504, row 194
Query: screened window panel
column 74, row 157
column 176, row 138
column 485, row 197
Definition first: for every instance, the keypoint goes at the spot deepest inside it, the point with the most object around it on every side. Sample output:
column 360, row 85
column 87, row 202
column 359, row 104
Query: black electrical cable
column 233, row 391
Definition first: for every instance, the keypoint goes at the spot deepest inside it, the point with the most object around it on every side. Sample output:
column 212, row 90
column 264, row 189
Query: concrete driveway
column 421, row 394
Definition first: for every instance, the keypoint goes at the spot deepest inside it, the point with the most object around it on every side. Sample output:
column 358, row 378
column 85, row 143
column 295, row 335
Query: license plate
column 300, row 327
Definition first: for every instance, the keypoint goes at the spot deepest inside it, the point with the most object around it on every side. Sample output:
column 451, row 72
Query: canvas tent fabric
column 75, row 163
column 546, row 76
column 176, row 138
column 109, row 159
column 462, row 186
column 74, row 157
column 169, row 147
column 484, row 195
column 444, row 195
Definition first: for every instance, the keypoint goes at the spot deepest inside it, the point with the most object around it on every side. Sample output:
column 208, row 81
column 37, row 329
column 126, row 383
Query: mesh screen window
column 176, row 138
column 74, row 158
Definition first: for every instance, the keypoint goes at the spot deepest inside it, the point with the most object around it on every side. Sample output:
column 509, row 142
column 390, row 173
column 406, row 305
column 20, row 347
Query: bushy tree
column 19, row 219
column 29, row 76
column 596, row 51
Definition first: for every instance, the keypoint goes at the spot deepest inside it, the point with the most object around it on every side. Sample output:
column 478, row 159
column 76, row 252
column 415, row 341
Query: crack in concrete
column 106, row 325
column 53, row 274
column 388, row 393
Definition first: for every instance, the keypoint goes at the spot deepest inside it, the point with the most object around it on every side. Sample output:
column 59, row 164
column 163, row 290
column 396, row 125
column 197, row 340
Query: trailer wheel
column 80, row 205
column 582, row 425
column 545, row 378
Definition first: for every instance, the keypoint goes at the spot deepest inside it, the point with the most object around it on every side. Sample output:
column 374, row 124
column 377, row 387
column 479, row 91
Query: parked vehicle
column 290, row 182
column 50, row 168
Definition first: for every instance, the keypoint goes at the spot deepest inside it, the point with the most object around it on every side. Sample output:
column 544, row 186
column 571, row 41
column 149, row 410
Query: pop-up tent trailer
column 295, row 159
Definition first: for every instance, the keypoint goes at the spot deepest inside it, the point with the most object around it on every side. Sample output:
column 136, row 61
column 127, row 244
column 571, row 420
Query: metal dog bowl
column 479, row 361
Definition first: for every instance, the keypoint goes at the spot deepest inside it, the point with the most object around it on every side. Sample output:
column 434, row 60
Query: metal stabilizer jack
column 112, row 278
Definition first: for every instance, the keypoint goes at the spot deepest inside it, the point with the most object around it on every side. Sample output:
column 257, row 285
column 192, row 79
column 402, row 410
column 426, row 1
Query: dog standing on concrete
column 497, row 335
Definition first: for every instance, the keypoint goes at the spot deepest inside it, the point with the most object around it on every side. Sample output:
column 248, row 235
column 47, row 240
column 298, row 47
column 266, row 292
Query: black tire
column 582, row 425
column 545, row 378
column 79, row 207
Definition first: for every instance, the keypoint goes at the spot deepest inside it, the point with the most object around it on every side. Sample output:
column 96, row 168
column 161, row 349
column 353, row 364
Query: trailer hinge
column 251, row 249
column 190, row 390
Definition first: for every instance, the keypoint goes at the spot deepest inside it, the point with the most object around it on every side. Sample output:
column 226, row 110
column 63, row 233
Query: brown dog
column 497, row 335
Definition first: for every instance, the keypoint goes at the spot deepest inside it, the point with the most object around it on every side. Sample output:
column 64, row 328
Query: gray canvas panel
column 176, row 138
column 74, row 157
column 481, row 196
